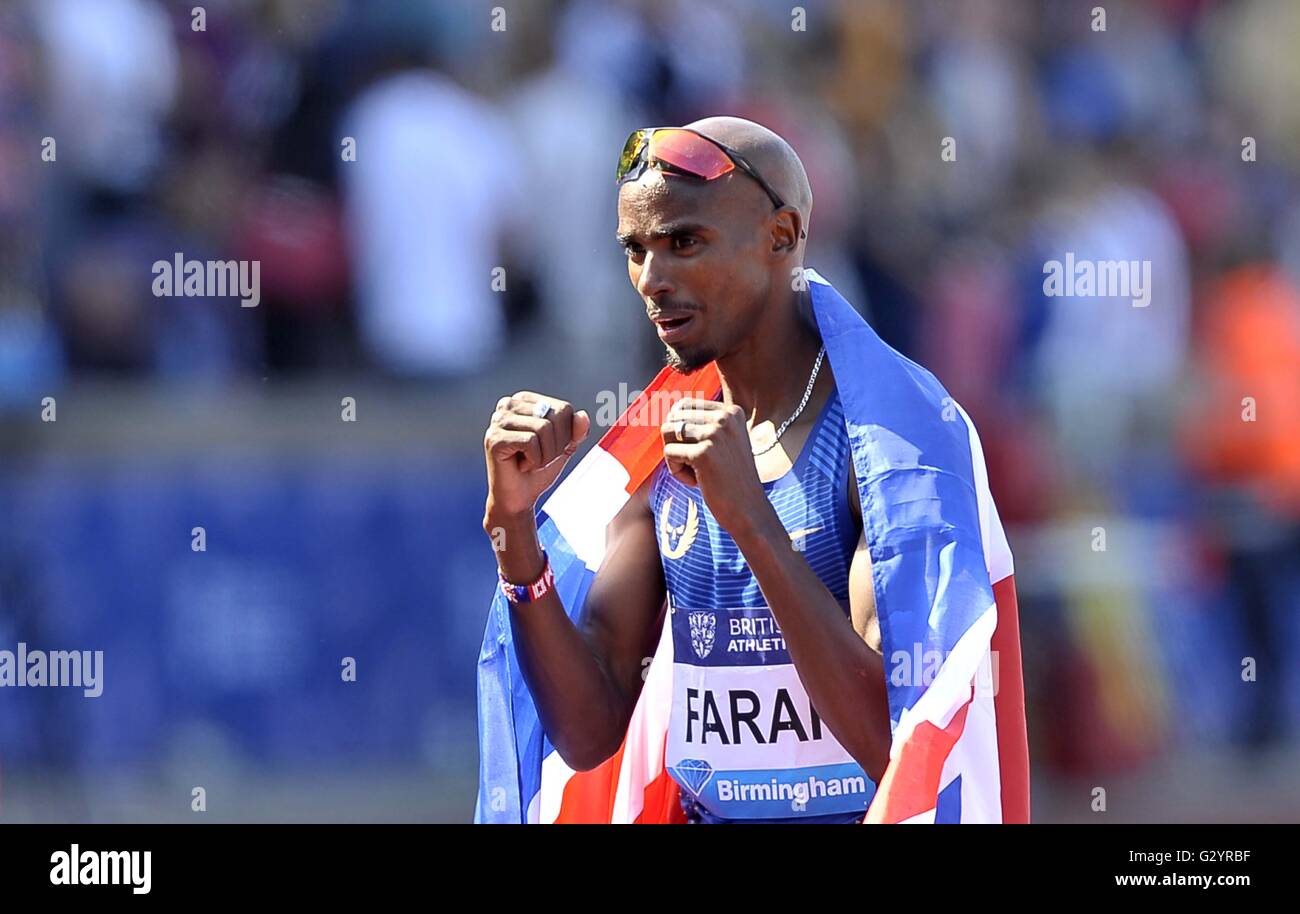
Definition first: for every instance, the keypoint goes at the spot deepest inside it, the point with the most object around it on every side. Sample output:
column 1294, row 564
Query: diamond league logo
column 695, row 773
column 704, row 626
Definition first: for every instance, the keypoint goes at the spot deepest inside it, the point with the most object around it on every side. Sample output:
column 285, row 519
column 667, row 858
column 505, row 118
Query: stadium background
column 478, row 149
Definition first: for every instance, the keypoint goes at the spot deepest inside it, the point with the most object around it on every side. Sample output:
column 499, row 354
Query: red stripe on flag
column 635, row 440
column 589, row 796
column 663, row 799
column 911, row 782
column 1009, row 705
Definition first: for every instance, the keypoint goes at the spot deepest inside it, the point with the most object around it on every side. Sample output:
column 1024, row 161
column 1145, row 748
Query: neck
column 767, row 375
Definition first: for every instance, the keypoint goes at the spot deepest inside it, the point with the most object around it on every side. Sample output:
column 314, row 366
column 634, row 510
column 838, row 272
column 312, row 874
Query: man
column 746, row 545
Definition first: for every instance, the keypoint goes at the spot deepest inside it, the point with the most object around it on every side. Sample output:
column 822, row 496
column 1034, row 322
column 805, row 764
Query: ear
column 787, row 230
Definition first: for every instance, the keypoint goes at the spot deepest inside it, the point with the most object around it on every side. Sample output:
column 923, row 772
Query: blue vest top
column 744, row 742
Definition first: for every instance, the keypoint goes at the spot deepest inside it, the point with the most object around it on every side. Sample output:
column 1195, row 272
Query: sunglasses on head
column 680, row 150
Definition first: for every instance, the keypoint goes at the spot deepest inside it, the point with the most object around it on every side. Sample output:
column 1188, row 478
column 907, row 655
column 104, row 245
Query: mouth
column 671, row 329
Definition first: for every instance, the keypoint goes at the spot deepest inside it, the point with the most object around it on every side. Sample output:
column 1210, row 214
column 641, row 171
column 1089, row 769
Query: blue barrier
column 308, row 560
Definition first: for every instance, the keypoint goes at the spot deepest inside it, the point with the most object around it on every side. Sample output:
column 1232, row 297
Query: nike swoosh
column 796, row 534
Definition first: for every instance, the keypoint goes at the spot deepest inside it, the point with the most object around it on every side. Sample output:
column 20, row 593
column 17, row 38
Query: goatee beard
column 687, row 364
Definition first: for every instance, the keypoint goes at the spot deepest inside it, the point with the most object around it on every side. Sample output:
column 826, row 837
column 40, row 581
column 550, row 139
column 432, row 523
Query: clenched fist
column 706, row 445
column 528, row 442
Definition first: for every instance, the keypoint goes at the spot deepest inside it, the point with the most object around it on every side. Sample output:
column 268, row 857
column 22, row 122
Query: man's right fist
column 528, row 442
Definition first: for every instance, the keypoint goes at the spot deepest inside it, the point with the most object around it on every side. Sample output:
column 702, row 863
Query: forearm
column 844, row 678
column 576, row 702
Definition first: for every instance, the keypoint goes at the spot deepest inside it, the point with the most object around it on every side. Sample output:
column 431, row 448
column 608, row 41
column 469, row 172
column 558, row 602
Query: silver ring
column 542, row 409
column 681, row 428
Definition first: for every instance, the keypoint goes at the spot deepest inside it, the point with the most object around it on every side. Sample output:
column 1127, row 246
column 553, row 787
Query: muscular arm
column 586, row 678
column 839, row 663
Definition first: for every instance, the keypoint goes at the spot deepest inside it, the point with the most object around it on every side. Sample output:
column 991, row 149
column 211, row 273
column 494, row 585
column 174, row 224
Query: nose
column 653, row 282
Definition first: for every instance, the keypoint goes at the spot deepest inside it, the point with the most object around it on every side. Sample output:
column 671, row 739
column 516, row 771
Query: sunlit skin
column 713, row 263
column 704, row 250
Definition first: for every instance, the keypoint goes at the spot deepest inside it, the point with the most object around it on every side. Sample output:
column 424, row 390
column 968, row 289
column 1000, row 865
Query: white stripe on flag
column 555, row 775
column 587, row 501
column 921, row 818
column 997, row 553
column 643, row 759
column 974, row 757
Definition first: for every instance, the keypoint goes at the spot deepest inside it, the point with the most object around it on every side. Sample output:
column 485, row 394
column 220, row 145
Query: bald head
column 771, row 156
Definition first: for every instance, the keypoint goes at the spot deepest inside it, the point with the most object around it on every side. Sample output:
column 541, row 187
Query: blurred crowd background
column 428, row 187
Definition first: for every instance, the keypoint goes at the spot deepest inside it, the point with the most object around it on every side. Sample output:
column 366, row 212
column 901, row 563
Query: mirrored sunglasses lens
column 631, row 153
column 690, row 153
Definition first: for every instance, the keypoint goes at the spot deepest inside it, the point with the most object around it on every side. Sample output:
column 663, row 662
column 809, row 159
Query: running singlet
column 744, row 743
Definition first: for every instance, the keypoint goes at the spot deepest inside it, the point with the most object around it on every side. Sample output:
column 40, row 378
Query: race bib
column 744, row 740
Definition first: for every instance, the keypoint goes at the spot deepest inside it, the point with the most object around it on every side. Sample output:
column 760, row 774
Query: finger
column 562, row 420
column 682, row 472
column 521, row 401
column 695, row 426
column 519, row 445
column 697, row 403
column 525, row 402
column 698, row 417
column 542, row 429
column 686, row 452
column 675, row 431
column 528, row 397
column 549, row 439
column 581, row 427
column 561, row 414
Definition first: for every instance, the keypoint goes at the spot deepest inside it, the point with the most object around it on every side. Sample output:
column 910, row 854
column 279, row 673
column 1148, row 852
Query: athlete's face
column 699, row 254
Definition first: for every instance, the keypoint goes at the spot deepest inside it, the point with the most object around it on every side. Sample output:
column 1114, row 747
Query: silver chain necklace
column 817, row 366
